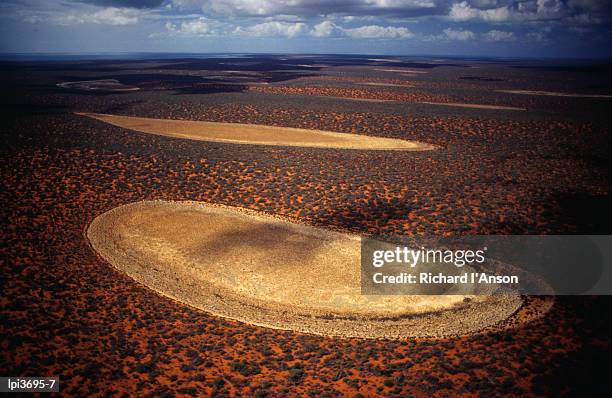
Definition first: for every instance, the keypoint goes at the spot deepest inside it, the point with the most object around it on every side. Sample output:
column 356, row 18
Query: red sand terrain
column 66, row 312
column 353, row 93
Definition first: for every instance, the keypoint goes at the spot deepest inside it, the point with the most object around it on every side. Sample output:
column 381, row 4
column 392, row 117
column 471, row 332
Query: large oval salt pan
column 254, row 134
column 272, row 272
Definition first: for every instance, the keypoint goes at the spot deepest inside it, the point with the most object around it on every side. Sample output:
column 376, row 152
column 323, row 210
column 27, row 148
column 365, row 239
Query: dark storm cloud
column 125, row 3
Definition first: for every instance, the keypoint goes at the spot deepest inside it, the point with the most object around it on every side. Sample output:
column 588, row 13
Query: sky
column 499, row 28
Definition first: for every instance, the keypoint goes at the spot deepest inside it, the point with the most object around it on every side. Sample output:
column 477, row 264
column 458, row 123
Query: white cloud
column 234, row 7
column 380, row 13
column 580, row 12
column 105, row 16
column 328, row 28
column 324, row 29
column 311, row 8
column 52, row 13
column 272, row 29
column 378, row 32
column 549, row 7
column 401, row 3
column 464, row 12
column 484, row 3
column 499, row 35
column 194, row 27
column 284, row 18
column 206, row 27
column 459, row 34
column 198, row 27
column 465, row 35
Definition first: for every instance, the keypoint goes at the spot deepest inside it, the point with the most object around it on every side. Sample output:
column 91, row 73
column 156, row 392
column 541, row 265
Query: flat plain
column 539, row 170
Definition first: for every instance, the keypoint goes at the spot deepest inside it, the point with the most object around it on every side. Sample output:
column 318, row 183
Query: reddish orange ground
column 66, row 312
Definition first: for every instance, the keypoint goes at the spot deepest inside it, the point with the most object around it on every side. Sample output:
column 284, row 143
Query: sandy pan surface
column 401, row 70
column 258, row 134
column 271, row 272
column 475, row 106
column 555, row 94
column 112, row 85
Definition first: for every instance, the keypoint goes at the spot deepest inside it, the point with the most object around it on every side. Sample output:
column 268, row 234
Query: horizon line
column 76, row 54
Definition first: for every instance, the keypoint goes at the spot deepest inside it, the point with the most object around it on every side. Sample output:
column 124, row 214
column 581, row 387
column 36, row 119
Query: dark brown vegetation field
column 66, row 312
